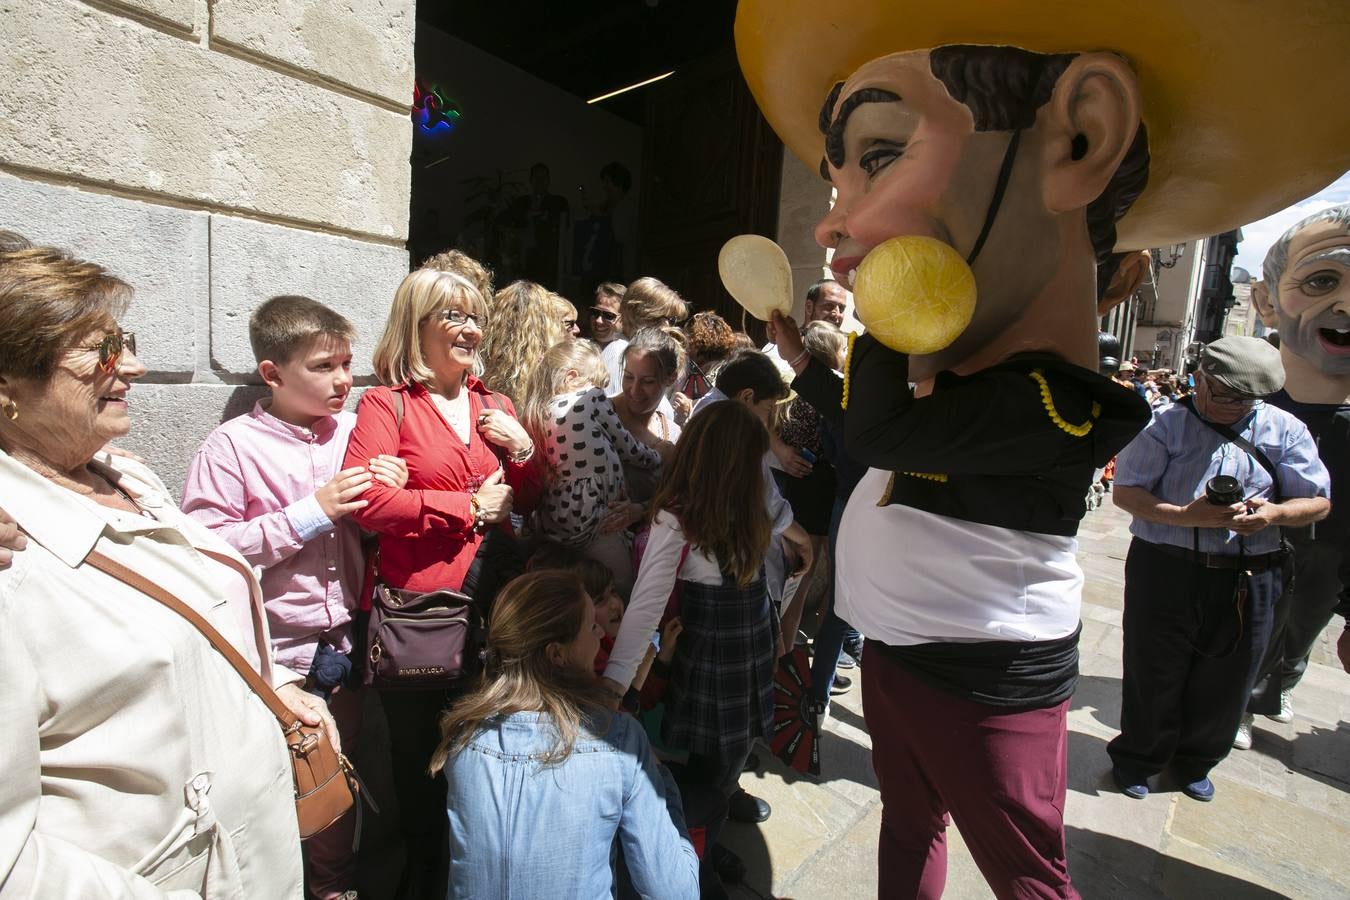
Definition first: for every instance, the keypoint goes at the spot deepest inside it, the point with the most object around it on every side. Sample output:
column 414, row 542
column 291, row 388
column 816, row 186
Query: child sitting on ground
column 268, row 483
column 542, row 712
column 568, row 414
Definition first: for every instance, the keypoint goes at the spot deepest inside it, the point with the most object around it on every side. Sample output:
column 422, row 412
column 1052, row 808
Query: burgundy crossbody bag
column 421, row 641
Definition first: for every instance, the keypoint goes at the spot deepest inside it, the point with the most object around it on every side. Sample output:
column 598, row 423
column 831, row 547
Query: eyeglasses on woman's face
column 603, row 315
column 111, row 347
column 459, row 317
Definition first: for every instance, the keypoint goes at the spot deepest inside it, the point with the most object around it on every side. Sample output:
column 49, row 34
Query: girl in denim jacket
column 542, row 777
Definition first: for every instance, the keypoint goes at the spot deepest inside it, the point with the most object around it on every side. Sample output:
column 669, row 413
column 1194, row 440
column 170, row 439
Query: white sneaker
column 1243, row 739
column 1286, row 713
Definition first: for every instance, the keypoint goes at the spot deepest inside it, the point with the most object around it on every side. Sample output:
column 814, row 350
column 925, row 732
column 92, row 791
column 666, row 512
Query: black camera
column 1223, row 490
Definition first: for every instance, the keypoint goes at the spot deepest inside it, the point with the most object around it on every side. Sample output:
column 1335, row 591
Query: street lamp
column 1168, row 257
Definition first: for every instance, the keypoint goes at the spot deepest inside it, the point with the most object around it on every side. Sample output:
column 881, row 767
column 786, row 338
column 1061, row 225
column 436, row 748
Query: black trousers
column 414, row 734
column 1191, row 658
column 706, row 784
column 1304, row 610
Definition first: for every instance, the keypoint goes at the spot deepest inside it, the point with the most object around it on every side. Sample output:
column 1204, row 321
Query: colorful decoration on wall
column 433, row 112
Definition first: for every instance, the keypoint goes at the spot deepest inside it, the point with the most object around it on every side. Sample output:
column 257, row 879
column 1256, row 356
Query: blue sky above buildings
column 1258, row 236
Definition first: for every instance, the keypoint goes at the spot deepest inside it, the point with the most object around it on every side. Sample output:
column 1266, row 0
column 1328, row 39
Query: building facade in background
column 1187, row 300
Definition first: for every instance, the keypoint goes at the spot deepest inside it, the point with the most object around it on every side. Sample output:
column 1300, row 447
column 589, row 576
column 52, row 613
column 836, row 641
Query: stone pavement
column 1276, row 828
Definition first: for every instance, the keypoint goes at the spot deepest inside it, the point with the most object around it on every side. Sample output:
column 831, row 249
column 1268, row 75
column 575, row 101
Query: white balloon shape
column 756, row 272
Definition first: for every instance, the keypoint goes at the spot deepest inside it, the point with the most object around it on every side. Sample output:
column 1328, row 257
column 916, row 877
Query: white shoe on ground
column 1286, row 713
column 1243, row 739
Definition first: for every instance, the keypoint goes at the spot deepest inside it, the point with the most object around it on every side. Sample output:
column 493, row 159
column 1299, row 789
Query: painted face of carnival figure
column 1306, row 292
column 1020, row 162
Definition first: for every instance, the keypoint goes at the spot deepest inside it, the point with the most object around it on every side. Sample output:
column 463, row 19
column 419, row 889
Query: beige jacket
column 134, row 761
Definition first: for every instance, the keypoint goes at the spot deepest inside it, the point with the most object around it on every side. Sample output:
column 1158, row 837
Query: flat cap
column 1245, row 365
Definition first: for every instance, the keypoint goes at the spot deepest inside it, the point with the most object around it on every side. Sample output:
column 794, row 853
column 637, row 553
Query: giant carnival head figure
column 1041, row 143
column 1306, row 295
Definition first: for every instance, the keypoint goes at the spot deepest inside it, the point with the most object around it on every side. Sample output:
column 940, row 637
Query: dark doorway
column 512, row 79
column 713, row 168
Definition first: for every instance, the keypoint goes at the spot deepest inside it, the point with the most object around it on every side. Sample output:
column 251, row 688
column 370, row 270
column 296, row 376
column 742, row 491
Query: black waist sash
column 1014, row 675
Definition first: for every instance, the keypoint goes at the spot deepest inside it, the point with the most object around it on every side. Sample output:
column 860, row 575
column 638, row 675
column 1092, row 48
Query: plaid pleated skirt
column 720, row 694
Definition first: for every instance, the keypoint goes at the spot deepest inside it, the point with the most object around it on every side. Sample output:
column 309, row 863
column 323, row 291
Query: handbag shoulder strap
column 114, row 569
column 398, row 409
column 1251, row 449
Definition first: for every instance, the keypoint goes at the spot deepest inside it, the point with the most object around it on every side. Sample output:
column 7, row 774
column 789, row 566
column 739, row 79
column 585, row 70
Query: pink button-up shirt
column 252, row 482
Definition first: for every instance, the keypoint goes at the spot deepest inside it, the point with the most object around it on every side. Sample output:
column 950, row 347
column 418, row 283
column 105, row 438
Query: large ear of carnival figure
column 977, row 190
column 1088, row 126
column 1264, row 308
column 1307, row 274
column 1123, row 273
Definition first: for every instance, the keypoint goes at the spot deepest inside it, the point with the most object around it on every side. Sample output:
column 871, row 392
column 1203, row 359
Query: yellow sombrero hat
column 1247, row 102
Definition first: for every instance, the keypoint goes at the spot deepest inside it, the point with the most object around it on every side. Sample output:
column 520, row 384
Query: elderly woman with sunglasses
column 470, row 465
column 137, row 762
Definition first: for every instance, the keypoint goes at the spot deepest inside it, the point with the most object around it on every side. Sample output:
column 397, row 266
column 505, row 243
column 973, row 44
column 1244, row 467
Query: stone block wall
column 212, row 153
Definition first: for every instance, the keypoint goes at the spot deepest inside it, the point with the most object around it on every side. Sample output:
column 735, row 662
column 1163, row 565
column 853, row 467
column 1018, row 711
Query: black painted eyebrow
column 827, row 108
column 834, row 134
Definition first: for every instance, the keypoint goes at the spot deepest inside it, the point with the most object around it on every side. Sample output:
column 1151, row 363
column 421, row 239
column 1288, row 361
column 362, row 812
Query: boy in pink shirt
column 268, row 482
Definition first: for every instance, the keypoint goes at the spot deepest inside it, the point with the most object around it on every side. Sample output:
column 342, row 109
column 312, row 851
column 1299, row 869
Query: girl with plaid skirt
column 704, row 562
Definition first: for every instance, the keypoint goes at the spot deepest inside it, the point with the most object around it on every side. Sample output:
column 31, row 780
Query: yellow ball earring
column 12, row 411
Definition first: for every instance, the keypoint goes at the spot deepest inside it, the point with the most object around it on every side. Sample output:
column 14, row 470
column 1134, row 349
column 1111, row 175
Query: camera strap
column 1251, row 449
column 1255, row 452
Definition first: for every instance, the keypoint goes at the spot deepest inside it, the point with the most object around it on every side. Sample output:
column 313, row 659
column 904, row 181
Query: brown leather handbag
column 326, row 786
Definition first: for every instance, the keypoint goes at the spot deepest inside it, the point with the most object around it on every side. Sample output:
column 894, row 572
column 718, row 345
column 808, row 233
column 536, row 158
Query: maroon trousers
column 1001, row 775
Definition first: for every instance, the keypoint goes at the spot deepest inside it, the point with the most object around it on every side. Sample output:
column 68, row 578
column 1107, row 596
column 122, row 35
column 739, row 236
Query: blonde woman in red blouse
column 470, row 464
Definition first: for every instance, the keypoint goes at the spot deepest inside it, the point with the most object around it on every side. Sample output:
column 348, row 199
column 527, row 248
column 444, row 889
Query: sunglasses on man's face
column 111, row 347
column 603, row 314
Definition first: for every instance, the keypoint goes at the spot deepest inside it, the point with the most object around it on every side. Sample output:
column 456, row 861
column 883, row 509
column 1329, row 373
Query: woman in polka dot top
column 570, row 417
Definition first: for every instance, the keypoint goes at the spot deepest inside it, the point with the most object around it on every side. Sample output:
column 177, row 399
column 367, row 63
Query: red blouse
column 426, row 529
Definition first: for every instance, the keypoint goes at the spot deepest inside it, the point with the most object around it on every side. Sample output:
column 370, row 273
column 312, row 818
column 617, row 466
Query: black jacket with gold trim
column 1015, row 445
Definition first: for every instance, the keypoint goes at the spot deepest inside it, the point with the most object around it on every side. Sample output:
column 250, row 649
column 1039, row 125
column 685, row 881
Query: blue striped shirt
column 1176, row 454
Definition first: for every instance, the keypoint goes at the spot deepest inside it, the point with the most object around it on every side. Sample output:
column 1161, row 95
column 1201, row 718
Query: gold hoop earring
column 12, row 411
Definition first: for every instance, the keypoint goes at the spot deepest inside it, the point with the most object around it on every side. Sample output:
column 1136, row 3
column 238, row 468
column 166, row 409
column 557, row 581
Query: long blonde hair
column 714, row 484
column 421, row 294
column 525, row 322
column 461, row 263
column 549, row 379
column 532, row 613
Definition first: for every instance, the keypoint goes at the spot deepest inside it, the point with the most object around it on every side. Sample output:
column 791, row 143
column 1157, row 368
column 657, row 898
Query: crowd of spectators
column 638, row 515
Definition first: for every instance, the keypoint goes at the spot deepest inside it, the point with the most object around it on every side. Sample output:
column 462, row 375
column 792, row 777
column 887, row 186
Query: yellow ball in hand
column 915, row 294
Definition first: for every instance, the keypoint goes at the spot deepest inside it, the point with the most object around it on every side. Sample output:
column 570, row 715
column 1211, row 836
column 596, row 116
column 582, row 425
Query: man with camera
column 1205, row 481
